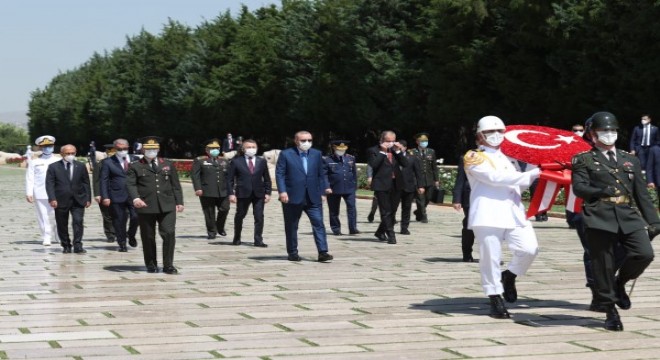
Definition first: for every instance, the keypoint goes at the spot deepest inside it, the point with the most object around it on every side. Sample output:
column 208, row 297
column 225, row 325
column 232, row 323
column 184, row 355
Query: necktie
column 154, row 165
column 251, row 165
column 304, row 161
column 610, row 156
column 125, row 164
column 644, row 134
column 389, row 156
column 68, row 170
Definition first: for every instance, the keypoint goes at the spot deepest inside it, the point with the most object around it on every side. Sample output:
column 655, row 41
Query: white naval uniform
column 497, row 214
column 35, row 186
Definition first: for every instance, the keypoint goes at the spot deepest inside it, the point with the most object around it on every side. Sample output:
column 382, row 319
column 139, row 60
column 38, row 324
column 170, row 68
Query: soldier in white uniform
column 35, row 188
column 497, row 214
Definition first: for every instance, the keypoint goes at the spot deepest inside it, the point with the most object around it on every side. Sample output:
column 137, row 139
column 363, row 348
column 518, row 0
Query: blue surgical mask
column 424, row 144
column 214, row 152
column 48, row 150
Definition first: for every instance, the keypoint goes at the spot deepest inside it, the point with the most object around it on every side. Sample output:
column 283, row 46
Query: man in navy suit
column 248, row 182
column 643, row 137
column 114, row 194
column 301, row 182
column 67, row 186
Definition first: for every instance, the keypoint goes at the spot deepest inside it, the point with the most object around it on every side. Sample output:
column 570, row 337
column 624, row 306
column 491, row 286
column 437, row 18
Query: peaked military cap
column 340, row 144
column 213, row 143
column 423, row 136
column 151, row 142
column 45, row 140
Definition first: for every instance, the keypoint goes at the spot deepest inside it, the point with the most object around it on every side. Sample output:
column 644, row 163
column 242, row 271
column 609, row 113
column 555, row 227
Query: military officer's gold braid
column 473, row 157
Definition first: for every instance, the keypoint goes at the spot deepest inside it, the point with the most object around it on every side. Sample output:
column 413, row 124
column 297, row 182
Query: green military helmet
column 604, row 120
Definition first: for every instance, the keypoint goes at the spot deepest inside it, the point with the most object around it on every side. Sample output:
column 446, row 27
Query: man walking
column 209, row 177
column 644, row 136
column 35, row 188
column 429, row 175
column 342, row 178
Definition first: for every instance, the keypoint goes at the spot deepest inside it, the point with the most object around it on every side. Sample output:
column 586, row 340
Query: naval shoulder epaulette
column 473, row 158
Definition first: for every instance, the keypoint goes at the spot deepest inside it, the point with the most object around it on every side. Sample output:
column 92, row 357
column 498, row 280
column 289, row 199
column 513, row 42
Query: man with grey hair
column 114, row 194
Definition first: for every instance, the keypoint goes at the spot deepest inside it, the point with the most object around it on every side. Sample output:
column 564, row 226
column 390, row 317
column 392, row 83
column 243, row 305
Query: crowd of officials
column 616, row 225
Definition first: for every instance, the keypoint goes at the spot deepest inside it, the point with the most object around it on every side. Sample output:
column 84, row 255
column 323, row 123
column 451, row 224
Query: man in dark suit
column 411, row 174
column 209, row 178
column 106, row 213
column 67, row 186
column 229, row 144
column 461, row 195
column 643, row 137
column 301, row 182
column 114, row 194
column 386, row 160
column 616, row 208
column 248, row 183
column 342, row 178
column 153, row 186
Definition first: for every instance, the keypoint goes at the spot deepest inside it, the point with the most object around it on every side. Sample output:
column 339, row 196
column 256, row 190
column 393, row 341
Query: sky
column 41, row 38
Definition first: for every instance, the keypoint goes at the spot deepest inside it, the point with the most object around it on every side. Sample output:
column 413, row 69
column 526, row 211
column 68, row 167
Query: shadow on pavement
column 125, row 268
column 271, row 257
column 449, row 260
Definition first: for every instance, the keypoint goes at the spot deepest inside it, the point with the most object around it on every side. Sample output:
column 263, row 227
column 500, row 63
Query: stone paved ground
column 413, row 300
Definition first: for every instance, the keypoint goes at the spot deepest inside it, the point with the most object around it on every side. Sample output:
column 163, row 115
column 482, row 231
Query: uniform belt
column 623, row 199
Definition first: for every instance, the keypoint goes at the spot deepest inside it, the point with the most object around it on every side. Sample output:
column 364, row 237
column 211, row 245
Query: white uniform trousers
column 46, row 219
column 522, row 243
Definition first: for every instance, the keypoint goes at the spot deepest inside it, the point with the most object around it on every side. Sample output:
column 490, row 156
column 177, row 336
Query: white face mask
column 122, row 153
column 150, row 154
column 579, row 133
column 340, row 152
column 70, row 158
column 251, row 152
column 495, row 139
column 644, row 122
column 304, row 146
column 607, row 137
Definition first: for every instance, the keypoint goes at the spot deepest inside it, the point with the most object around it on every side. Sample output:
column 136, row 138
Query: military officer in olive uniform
column 429, row 174
column 209, row 177
column 153, row 184
column 616, row 208
column 106, row 214
column 342, row 177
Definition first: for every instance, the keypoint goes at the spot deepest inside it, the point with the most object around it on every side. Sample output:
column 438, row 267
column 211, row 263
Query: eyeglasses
column 305, row 140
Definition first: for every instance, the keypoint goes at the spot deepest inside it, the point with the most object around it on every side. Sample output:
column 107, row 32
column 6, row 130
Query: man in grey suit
column 67, row 186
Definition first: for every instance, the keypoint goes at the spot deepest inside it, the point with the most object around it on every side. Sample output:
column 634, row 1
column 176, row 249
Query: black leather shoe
column 132, row 241
column 294, row 257
column 418, row 216
column 509, row 284
column 222, row 233
column 324, row 256
column 337, row 233
column 260, row 244
column 152, row 269
column 66, row 250
column 595, row 306
column 122, row 248
column 425, row 220
column 370, row 218
column 170, row 270
column 468, row 259
column 405, row 232
column 624, row 300
column 391, row 241
column 497, row 308
column 381, row 236
column 79, row 251
column 110, row 239
column 355, row 232
column 211, row 236
column 236, row 242
column 612, row 320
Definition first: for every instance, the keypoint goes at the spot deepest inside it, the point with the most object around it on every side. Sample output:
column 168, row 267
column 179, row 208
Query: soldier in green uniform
column 209, row 177
column 106, row 214
column 153, row 184
column 428, row 172
column 617, row 208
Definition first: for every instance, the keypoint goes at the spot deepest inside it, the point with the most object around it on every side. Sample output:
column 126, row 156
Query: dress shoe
column 624, row 300
column 122, row 248
column 111, row 239
column 370, row 218
column 152, row 269
column 418, row 215
column 132, row 241
column 468, row 258
column 222, row 233
column 260, row 244
column 294, row 257
column 324, row 256
column 595, row 306
column 425, row 220
column 545, row 217
column 79, row 251
column 509, row 284
column 355, row 232
column 170, row 270
column 236, row 242
column 337, row 233
column 381, row 236
column 497, row 308
column 66, row 250
column 405, row 232
column 612, row 320
column 538, row 218
column 46, row 242
column 211, row 236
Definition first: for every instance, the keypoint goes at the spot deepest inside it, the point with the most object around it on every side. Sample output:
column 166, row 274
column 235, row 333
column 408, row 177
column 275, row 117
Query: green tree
column 13, row 139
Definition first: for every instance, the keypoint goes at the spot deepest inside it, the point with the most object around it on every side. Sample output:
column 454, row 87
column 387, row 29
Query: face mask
column 150, row 154
column 304, row 146
column 122, row 153
column 424, row 144
column 495, row 139
column 48, row 150
column 579, row 133
column 251, row 152
column 644, row 122
column 70, row 158
column 214, row 152
column 607, row 137
column 388, row 144
column 340, row 152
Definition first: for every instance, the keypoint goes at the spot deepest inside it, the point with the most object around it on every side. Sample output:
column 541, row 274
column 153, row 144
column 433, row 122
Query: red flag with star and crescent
column 551, row 149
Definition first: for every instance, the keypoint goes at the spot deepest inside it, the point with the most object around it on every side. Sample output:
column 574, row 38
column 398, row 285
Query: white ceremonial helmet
column 490, row 123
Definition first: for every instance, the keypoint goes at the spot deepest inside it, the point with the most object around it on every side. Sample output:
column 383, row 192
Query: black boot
column 595, row 306
column 509, row 284
column 497, row 308
column 620, row 289
column 612, row 320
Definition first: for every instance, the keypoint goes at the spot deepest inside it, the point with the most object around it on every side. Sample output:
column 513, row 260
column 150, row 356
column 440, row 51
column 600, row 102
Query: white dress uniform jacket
column 35, row 176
